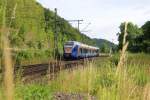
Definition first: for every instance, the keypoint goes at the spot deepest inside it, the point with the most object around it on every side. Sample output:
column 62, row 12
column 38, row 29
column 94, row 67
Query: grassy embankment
column 98, row 79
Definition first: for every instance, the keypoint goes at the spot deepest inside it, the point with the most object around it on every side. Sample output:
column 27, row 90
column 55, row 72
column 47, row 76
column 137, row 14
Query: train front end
column 70, row 50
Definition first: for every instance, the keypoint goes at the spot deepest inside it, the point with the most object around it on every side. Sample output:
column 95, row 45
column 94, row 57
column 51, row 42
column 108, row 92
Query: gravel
column 72, row 96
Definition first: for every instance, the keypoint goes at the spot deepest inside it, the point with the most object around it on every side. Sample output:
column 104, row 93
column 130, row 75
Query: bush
column 34, row 92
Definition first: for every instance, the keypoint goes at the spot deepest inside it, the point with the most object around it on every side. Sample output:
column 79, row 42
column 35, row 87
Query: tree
column 105, row 48
column 133, row 32
column 146, row 37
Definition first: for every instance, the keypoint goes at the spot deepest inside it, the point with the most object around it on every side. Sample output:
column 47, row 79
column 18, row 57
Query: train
column 78, row 50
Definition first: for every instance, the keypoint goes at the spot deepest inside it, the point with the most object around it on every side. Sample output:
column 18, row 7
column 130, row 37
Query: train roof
column 82, row 45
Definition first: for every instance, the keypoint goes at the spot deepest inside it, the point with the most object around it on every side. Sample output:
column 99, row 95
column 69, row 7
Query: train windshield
column 69, row 44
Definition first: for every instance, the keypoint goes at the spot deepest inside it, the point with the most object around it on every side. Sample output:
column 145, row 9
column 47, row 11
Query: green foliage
column 146, row 37
column 22, row 55
column 139, row 38
column 115, row 59
column 105, row 48
column 101, row 42
column 34, row 92
column 106, row 81
column 1, row 11
column 139, row 68
column 32, row 27
column 133, row 32
column 141, row 78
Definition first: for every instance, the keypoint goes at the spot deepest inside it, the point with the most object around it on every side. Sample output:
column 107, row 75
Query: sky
column 105, row 16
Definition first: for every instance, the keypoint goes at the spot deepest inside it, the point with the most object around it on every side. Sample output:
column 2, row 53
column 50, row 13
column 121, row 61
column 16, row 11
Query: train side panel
column 76, row 50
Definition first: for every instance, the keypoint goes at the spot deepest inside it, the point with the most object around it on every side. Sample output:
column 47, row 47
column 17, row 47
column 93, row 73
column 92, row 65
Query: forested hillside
column 32, row 27
column 105, row 45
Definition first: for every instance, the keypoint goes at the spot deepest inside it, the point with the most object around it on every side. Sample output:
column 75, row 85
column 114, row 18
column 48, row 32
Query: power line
column 78, row 21
column 86, row 27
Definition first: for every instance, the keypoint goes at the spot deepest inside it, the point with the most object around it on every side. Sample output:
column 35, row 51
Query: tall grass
column 7, row 56
column 97, row 79
column 8, row 72
column 122, row 58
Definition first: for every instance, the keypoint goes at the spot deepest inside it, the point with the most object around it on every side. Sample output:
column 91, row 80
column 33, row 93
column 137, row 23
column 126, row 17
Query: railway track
column 51, row 67
column 30, row 72
column 33, row 72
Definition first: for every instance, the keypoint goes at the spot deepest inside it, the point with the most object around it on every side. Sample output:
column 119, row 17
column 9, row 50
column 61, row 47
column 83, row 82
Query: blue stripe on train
column 74, row 53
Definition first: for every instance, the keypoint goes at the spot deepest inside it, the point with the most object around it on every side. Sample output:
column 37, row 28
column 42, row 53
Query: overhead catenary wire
column 78, row 22
column 83, row 30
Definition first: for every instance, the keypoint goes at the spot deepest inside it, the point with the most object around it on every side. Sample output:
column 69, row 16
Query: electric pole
column 78, row 21
column 55, row 34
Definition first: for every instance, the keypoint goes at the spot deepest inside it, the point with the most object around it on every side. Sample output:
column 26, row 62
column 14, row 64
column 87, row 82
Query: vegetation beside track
column 98, row 79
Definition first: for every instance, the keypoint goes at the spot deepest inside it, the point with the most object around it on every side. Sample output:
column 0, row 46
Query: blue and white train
column 76, row 50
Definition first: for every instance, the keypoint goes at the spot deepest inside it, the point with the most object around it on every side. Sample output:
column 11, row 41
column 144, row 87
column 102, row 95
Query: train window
column 69, row 43
column 96, row 51
column 84, row 50
column 81, row 50
column 88, row 50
